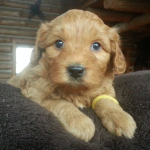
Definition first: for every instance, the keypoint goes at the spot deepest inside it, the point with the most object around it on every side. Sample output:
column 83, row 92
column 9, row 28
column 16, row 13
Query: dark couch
column 26, row 126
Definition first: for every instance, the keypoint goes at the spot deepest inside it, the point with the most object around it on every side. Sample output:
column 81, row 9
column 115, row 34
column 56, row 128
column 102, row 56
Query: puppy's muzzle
column 76, row 71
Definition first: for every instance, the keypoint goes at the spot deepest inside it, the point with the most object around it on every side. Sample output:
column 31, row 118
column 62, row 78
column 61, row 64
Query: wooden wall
column 15, row 27
column 132, row 18
column 130, row 53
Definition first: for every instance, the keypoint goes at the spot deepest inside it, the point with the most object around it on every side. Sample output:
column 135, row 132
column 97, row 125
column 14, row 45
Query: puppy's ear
column 118, row 57
column 40, row 43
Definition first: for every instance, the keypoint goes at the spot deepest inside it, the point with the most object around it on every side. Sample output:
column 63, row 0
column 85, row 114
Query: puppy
column 74, row 61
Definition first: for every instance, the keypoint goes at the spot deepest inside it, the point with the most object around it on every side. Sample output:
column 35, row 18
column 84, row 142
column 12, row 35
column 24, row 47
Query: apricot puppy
column 74, row 61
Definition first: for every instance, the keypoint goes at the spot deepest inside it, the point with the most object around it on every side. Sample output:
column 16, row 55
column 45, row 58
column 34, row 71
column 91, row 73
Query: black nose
column 76, row 71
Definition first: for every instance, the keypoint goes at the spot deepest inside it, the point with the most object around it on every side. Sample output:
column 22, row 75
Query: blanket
column 24, row 125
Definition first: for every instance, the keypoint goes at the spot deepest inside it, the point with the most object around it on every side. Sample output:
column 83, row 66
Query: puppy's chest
column 77, row 99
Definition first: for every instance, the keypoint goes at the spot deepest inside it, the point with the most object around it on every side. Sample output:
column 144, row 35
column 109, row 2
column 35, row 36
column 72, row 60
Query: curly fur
column 46, row 80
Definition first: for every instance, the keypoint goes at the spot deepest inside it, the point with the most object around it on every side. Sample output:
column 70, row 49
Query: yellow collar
column 102, row 97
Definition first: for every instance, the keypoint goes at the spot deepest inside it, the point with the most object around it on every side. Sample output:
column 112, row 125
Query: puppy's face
column 78, row 48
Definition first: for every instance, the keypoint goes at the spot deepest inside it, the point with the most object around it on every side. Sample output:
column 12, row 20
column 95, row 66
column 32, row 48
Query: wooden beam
column 5, row 66
column 133, row 24
column 139, row 6
column 5, row 75
column 5, row 57
column 132, row 37
column 5, row 48
column 5, row 40
column 16, row 4
column 145, row 28
column 21, row 22
column 26, row 5
column 128, row 50
column 110, row 15
column 18, row 31
column 22, row 13
column 98, row 4
column 83, row 4
column 17, row 37
column 24, row 41
column 51, row 8
column 50, row 2
column 14, row 58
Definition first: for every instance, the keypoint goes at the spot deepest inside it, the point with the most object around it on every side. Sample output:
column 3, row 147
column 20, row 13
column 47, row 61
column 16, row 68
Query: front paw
column 119, row 123
column 80, row 126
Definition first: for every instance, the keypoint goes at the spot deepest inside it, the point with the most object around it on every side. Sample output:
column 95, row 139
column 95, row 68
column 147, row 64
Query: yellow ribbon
column 102, row 97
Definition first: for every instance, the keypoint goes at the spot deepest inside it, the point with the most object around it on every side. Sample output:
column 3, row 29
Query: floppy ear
column 40, row 43
column 118, row 57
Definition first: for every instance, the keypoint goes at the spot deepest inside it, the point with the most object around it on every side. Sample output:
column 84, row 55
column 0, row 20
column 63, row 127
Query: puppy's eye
column 59, row 44
column 96, row 46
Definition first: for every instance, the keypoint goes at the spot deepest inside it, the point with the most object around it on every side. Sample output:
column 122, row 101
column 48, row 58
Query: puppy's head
column 78, row 49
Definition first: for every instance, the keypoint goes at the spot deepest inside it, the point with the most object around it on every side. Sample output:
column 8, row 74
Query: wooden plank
column 5, row 57
column 5, row 66
column 133, row 55
column 22, row 13
column 51, row 2
column 135, row 23
column 126, row 54
column 132, row 37
column 17, row 37
column 85, row 3
column 109, row 15
column 97, row 4
column 5, row 49
column 26, row 5
column 25, row 41
column 5, row 40
column 53, row 9
column 16, row 4
column 21, row 22
column 14, row 58
column 5, row 75
column 26, row 38
column 132, row 61
column 77, row 4
column 139, row 6
column 18, row 31
column 130, row 47
column 145, row 28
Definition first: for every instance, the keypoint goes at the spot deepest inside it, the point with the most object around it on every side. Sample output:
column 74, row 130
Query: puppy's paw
column 73, row 120
column 119, row 123
column 80, row 126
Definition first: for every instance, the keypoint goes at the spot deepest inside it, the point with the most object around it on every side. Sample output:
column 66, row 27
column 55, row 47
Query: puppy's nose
column 76, row 71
